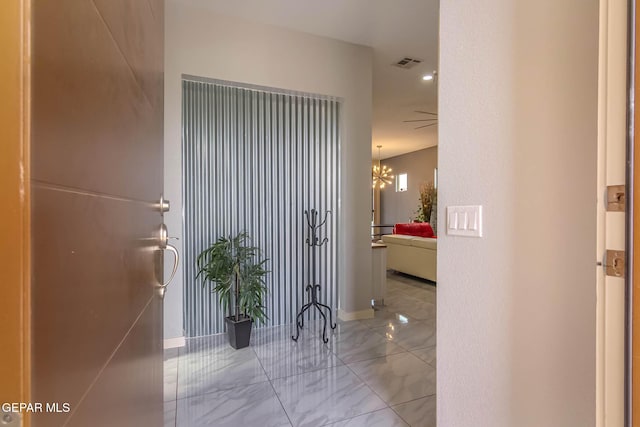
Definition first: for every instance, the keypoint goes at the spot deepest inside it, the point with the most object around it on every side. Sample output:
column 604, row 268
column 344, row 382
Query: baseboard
column 174, row 342
column 355, row 315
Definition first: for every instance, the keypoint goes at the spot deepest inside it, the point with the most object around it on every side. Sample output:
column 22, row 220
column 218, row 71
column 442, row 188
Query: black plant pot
column 239, row 332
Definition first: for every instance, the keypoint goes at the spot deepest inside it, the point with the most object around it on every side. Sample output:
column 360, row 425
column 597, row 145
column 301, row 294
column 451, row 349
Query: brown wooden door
column 635, row 345
column 96, row 171
column 14, row 217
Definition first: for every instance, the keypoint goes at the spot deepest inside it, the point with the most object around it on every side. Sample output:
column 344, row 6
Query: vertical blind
column 254, row 160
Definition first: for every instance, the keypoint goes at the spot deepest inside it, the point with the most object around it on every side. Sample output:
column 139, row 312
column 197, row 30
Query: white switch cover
column 464, row 221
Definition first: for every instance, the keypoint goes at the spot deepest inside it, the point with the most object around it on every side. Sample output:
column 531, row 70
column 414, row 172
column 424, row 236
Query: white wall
column 419, row 166
column 199, row 42
column 518, row 132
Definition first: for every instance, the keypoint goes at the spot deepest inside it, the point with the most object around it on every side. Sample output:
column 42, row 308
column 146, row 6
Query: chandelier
column 381, row 174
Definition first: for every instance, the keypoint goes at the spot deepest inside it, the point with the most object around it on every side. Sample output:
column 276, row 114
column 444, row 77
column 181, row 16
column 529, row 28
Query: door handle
column 166, row 246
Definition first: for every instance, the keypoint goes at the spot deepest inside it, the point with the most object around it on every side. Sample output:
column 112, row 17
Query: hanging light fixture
column 381, row 174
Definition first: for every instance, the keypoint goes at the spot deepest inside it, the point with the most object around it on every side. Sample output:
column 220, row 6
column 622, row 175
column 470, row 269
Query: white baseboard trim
column 175, row 342
column 355, row 315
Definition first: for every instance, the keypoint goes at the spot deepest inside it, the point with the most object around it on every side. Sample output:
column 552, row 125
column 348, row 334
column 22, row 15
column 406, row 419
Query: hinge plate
column 616, row 197
column 615, row 263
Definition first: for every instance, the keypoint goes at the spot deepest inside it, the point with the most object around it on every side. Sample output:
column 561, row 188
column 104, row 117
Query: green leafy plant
column 428, row 199
column 231, row 266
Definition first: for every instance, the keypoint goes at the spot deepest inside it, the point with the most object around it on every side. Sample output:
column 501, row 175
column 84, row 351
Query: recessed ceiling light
column 427, row 77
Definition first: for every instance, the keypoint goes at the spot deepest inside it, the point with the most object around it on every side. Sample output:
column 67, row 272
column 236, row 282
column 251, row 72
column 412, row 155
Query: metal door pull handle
column 176, row 257
column 163, row 243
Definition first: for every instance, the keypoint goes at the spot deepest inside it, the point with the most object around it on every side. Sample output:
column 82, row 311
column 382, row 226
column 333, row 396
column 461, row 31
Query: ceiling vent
column 407, row 62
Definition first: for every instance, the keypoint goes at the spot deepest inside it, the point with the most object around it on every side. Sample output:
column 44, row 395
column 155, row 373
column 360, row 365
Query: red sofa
column 420, row 229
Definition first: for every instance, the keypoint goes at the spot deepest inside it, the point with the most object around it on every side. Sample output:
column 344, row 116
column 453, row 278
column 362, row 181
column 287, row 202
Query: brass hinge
column 616, row 196
column 615, row 263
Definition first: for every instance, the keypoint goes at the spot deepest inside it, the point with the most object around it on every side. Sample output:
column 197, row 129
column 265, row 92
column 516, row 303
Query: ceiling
column 393, row 29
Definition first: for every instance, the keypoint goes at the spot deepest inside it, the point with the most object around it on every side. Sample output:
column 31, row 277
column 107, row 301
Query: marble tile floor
column 373, row 372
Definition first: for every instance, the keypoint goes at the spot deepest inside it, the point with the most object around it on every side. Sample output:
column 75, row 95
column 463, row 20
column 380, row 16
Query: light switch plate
column 464, row 221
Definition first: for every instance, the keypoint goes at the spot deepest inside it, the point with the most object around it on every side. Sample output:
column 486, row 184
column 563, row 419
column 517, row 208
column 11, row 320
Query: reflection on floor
column 374, row 372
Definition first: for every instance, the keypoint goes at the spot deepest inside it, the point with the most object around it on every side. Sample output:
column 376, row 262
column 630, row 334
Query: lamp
column 381, row 174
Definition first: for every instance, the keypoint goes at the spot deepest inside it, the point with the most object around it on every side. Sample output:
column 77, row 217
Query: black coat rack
column 313, row 243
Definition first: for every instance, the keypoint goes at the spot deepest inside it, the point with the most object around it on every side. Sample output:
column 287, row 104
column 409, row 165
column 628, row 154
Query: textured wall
column 518, row 131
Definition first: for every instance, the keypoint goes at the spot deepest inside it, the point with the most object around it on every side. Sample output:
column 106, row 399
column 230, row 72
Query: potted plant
column 428, row 197
column 232, row 267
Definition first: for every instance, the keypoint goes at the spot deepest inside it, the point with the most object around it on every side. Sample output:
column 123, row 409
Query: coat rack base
column 313, row 291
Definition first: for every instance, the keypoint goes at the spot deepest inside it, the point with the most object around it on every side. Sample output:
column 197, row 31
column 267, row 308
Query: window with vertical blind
column 254, row 159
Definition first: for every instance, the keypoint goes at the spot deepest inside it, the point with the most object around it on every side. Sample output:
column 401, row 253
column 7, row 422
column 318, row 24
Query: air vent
column 407, row 62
